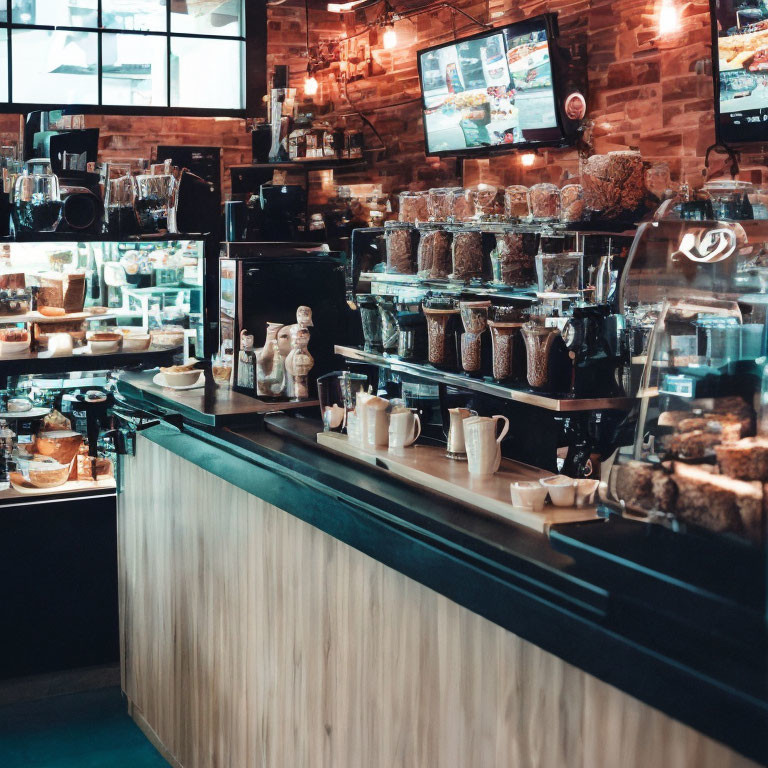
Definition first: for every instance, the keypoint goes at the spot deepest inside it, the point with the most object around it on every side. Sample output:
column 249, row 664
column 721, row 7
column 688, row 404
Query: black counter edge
column 710, row 706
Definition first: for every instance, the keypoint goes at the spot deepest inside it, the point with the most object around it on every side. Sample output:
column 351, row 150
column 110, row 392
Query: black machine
column 593, row 337
column 262, row 283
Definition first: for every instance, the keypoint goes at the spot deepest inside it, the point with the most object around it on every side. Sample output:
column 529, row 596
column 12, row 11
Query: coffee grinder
column 592, row 337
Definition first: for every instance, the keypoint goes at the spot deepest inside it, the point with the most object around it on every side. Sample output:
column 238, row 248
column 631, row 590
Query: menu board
column 491, row 90
column 742, row 58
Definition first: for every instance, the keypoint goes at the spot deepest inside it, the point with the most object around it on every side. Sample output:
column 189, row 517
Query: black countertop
column 692, row 655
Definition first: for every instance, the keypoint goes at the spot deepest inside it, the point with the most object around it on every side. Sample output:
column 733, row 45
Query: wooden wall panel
column 253, row 640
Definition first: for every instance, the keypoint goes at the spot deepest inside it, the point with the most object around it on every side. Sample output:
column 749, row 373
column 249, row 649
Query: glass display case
column 694, row 297
column 71, row 314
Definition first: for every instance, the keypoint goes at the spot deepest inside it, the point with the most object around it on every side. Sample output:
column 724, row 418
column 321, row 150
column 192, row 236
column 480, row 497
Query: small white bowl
column 136, row 342
column 528, row 494
column 585, row 491
column 13, row 347
column 103, row 347
column 561, row 488
column 181, row 378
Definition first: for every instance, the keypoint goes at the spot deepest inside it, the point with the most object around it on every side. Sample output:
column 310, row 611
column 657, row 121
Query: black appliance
column 592, row 336
column 262, row 283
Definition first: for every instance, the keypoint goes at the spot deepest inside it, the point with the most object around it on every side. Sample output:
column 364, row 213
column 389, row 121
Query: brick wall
column 652, row 94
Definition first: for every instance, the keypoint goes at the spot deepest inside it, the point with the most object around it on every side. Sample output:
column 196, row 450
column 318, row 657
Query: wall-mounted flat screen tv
column 496, row 90
column 740, row 57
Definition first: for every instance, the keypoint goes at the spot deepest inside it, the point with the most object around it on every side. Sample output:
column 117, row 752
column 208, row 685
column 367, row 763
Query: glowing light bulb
column 669, row 17
column 310, row 85
column 528, row 159
column 390, row 38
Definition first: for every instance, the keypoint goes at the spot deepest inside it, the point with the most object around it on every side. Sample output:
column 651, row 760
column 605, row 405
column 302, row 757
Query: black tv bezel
column 720, row 136
column 549, row 21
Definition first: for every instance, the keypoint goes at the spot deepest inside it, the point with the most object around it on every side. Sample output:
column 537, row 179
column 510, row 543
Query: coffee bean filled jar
column 474, row 317
column 414, row 206
column 513, row 263
column 434, row 256
column 467, row 253
column 544, row 202
column 444, row 330
column 509, row 362
column 401, row 247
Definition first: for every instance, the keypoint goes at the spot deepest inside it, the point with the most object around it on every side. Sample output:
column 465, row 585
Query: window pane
column 4, row 13
column 65, row 13
column 3, row 65
column 55, row 67
column 134, row 14
column 207, row 17
column 133, row 70
column 206, row 73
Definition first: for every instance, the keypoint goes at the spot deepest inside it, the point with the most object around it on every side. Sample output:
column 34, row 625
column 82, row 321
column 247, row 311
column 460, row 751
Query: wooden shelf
column 528, row 397
column 427, row 467
column 305, row 165
column 32, row 363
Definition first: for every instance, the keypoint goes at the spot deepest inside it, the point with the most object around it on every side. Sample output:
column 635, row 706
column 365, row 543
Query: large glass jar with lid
column 544, row 202
column 401, row 247
column 467, row 248
column 442, row 202
column 571, row 203
column 434, row 257
column 413, row 206
column 516, row 202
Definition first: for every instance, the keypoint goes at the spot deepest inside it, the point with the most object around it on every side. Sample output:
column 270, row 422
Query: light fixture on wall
column 669, row 17
column 389, row 38
column 527, row 159
column 310, row 81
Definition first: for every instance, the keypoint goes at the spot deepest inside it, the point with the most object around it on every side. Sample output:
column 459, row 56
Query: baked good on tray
column 717, row 502
column 634, row 484
column 745, row 459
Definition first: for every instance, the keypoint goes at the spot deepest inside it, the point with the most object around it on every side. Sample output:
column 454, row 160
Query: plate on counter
column 159, row 379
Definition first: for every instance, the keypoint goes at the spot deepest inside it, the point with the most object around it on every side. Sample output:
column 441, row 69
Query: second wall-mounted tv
column 492, row 91
column 740, row 55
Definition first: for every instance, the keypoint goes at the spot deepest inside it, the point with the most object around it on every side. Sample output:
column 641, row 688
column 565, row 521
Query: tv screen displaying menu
column 741, row 51
column 491, row 91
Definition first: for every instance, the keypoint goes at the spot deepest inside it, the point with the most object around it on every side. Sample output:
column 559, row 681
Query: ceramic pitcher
column 483, row 445
column 376, row 422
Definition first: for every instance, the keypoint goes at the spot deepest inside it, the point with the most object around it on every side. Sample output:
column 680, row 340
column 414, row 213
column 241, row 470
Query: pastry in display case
column 699, row 450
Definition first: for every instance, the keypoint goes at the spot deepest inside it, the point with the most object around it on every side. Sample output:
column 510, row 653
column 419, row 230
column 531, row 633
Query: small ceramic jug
column 404, row 428
column 483, row 446
column 377, row 422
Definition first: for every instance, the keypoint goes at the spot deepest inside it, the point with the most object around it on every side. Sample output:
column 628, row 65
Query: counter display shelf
column 71, row 490
column 429, row 373
column 36, row 363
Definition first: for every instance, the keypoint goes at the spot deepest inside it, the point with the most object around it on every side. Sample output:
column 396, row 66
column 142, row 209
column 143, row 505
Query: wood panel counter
column 282, row 606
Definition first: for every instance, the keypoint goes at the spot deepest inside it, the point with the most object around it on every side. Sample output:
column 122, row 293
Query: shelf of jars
column 477, row 287
column 484, row 385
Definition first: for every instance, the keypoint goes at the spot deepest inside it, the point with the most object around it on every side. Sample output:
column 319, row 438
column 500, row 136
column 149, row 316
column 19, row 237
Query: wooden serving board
column 428, row 467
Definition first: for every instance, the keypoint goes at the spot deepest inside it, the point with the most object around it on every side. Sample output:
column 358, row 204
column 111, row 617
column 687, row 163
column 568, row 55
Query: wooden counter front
column 251, row 638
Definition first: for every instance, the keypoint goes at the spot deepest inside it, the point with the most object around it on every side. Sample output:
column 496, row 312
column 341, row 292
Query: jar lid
column 389, row 225
column 367, row 300
column 506, row 314
column 412, row 193
column 429, row 226
column 438, row 301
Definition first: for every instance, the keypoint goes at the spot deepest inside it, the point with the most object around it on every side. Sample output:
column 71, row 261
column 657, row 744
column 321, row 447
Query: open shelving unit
column 434, row 375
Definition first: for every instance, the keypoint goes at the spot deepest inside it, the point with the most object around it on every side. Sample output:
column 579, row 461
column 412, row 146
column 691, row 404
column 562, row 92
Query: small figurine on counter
column 246, row 362
column 298, row 364
column 270, row 364
column 287, row 340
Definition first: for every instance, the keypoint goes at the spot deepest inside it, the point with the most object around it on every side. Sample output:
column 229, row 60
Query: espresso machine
column 592, row 336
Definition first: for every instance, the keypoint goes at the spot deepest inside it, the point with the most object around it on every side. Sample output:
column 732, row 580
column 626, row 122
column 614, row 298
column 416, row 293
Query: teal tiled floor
column 84, row 730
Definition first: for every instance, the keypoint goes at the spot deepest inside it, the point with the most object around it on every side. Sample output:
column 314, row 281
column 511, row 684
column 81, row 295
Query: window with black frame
column 155, row 54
